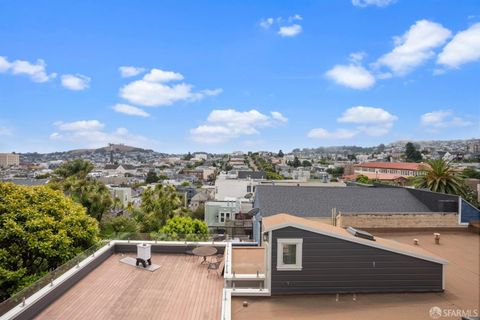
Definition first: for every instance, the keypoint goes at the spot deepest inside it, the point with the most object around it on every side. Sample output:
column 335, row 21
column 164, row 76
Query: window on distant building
column 249, row 188
column 221, row 217
column 289, row 254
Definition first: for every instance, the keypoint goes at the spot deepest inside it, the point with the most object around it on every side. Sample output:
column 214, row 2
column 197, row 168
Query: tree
column 280, row 154
column 158, row 205
column 411, row 153
column 306, row 163
column 438, row 176
column 471, row 173
column 116, row 225
column 72, row 178
column 296, row 163
column 151, row 177
column 188, row 157
column 362, row 179
column 40, row 229
column 180, row 228
column 78, row 167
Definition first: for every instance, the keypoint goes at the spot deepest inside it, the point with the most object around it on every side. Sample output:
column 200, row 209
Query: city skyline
column 178, row 77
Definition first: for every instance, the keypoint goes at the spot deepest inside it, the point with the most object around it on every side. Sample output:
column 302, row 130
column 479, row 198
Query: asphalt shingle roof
column 319, row 201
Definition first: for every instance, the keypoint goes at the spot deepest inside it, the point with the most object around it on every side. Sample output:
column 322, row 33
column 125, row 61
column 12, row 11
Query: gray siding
column 333, row 265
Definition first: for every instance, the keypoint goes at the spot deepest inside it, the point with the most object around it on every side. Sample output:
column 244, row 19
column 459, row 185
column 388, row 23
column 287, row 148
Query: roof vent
column 360, row 233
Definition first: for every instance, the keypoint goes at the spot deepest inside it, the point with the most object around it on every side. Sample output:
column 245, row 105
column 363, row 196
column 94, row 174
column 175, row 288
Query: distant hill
column 115, row 147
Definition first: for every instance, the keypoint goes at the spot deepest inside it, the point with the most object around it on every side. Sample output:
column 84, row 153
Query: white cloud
column 79, row 125
column 130, row 71
column 442, row 119
column 157, row 75
column 361, row 114
column 290, row 31
column 378, row 3
column 36, row 71
column 76, row 82
column 414, row 47
column 154, row 90
column 130, row 110
column 295, row 17
column 352, row 76
column 367, row 120
column 89, row 134
column 463, row 48
column 224, row 125
column 278, row 116
column 4, row 64
column 266, row 23
column 320, row 133
column 285, row 27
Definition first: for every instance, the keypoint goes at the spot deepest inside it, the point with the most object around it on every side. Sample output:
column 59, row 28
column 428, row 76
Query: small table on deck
column 204, row 252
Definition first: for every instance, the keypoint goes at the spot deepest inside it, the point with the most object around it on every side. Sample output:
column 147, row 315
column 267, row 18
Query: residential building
column 9, row 160
column 121, row 193
column 228, row 187
column 389, row 170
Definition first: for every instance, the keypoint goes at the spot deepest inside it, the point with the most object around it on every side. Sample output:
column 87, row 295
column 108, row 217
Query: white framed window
column 221, row 217
column 289, row 254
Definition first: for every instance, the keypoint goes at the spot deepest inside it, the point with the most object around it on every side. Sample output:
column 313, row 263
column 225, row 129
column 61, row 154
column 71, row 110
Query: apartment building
column 9, row 159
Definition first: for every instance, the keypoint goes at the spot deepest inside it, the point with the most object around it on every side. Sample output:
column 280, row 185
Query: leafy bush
column 184, row 228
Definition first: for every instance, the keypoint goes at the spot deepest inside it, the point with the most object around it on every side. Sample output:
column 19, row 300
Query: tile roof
column 391, row 165
column 283, row 220
column 319, row 201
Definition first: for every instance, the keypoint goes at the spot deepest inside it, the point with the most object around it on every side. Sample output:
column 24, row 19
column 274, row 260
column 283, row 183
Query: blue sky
column 179, row 76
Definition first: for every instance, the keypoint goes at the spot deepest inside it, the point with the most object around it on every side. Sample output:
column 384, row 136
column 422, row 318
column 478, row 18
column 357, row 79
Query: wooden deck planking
column 180, row 289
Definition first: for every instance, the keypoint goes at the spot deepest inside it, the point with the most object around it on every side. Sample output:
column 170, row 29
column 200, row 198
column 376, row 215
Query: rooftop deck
column 462, row 277
column 179, row 289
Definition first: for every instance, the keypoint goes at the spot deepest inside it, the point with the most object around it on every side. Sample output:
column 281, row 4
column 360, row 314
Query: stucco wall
column 397, row 220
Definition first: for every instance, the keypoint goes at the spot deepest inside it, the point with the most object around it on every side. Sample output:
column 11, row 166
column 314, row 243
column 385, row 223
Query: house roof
column 115, row 166
column 392, row 165
column 319, row 201
column 244, row 174
column 284, row 220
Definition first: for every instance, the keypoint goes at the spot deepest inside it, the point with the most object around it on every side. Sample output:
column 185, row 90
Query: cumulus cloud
column 224, row 125
column 320, row 133
column 352, row 76
column 130, row 71
column 414, row 47
column 285, row 27
column 130, row 110
column 156, row 89
column 81, row 125
column 378, row 3
column 290, row 31
column 157, row 75
column 76, row 82
column 90, row 134
column 463, row 48
column 35, row 71
column 266, row 23
column 367, row 120
column 442, row 119
column 361, row 114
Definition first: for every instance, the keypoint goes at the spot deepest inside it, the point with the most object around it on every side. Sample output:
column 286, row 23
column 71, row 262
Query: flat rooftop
column 462, row 282
column 248, row 260
column 179, row 289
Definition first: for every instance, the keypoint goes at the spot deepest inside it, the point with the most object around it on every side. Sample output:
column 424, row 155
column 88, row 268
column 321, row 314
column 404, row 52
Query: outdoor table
column 204, row 252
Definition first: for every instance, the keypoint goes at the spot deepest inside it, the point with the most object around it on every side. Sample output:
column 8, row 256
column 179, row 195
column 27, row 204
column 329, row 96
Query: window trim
column 299, row 250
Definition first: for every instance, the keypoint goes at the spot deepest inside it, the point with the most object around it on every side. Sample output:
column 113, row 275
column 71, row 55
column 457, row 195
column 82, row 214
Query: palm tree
column 438, row 176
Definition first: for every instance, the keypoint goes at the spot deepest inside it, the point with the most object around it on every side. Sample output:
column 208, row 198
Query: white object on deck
column 144, row 251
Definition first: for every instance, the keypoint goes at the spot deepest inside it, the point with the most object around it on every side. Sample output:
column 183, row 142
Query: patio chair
column 216, row 266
